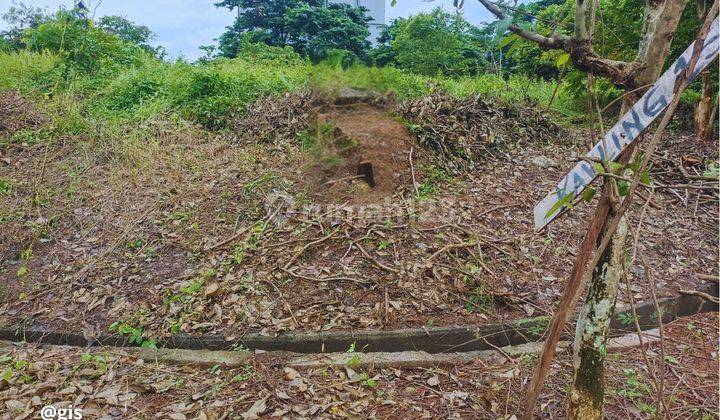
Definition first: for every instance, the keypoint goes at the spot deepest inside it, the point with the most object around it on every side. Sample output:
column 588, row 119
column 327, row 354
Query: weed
column 96, row 362
column 239, row 347
column 436, row 175
column 479, row 302
column 634, row 387
column 134, row 333
column 657, row 314
column 22, row 368
column 528, row 359
column 245, row 375
column 367, row 381
column 625, row 318
column 6, row 187
column 355, row 360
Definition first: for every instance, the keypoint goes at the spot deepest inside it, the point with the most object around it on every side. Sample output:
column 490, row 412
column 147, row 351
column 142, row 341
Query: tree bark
column 703, row 111
column 586, row 398
column 660, row 21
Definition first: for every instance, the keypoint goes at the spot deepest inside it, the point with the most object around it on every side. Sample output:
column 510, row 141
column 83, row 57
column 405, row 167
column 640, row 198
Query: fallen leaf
column 258, row 408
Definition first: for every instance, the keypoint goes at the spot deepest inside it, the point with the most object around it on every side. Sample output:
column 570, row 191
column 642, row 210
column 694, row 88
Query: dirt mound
column 17, row 113
column 360, row 155
column 467, row 131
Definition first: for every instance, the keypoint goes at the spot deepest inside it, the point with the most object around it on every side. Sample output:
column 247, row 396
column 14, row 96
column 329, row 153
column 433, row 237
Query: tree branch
column 620, row 73
column 555, row 42
column 580, row 29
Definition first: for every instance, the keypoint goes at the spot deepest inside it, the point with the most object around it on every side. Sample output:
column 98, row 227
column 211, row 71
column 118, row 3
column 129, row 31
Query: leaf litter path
column 112, row 382
column 313, row 247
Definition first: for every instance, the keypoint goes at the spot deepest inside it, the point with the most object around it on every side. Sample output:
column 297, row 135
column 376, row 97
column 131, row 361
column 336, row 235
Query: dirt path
column 354, row 135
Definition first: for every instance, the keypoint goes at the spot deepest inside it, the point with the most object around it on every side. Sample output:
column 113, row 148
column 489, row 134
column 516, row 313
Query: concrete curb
column 430, row 340
column 407, row 359
column 378, row 360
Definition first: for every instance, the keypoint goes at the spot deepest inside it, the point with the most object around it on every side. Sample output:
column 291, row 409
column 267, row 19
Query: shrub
column 82, row 47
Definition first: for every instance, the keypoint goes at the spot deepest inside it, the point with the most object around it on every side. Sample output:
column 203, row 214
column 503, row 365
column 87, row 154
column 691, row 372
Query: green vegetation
column 102, row 82
column 134, row 333
column 270, row 50
column 313, row 28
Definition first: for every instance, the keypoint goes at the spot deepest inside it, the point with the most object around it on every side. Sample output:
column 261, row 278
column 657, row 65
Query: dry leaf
column 258, row 408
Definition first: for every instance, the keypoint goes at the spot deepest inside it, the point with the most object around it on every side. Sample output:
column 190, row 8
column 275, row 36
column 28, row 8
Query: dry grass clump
column 466, row 131
column 17, row 113
column 278, row 119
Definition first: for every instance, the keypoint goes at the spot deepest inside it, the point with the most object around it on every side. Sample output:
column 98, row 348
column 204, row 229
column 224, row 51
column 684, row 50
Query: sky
column 182, row 26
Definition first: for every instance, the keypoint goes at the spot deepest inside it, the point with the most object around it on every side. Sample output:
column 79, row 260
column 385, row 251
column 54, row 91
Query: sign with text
column 652, row 103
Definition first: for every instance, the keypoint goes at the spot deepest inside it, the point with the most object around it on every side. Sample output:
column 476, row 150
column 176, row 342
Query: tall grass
column 116, row 102
column 515, row 89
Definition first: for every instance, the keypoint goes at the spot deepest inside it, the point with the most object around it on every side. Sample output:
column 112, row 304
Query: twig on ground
column 347, row 178
column 707, row 277
column 243, row 230
column 320, row 279
column 649, row 366
column 412, row 172
column 450, row 247
column 703, row 295
column 375, row 261
column 308, row 245
column 661, row 389
column 504, row 206
column 287, row 305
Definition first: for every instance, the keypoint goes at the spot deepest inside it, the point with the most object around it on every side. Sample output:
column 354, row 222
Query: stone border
column 430, row 340
column 413, row 359
column 377, row 360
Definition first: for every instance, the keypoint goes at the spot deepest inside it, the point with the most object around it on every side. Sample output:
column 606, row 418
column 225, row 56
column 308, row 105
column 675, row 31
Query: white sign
column 652, row 103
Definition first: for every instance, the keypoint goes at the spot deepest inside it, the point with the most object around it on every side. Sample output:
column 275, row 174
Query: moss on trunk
column 586, row 400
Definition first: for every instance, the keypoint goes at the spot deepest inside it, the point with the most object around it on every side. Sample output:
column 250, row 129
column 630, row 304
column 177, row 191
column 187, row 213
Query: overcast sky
column 184, row 25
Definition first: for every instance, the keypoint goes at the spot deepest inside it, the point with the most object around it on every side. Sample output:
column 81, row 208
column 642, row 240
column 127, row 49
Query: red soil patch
column 375, row 137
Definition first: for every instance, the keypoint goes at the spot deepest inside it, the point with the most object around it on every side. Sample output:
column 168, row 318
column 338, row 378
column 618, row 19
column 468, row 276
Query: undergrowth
column 105, row 102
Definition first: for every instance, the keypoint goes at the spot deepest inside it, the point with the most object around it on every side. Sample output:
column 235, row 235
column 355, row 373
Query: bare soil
column 205, row 235
column 360, row 133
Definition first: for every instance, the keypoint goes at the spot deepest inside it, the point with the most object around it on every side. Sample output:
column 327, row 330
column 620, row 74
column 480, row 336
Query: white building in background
column 376, row 10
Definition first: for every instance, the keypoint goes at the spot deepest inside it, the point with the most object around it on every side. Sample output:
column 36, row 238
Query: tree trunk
column 704, row 111
column 586, row 398
column 660, row 22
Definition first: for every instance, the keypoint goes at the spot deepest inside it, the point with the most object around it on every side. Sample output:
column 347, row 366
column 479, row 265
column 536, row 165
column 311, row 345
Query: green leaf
column 713, row 170
column 671, row 359
column 393, row 3
column 7, row 375
column 645, row 178
column 563, row 202
column 623, row 187
column 503, row 26
column 149, row 344
column 599, row 168
column 614, row 166
column 588, row 194
column 507, row 40
column 562, row 59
